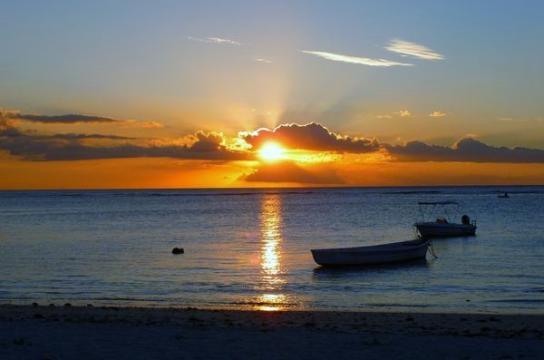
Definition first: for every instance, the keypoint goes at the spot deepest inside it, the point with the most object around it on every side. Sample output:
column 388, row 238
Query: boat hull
column 433, row 229
column 372, row 255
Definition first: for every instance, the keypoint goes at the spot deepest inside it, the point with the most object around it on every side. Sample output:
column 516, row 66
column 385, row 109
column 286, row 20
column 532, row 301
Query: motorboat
column 442, row 227
column 503, row 196
column 372, row 255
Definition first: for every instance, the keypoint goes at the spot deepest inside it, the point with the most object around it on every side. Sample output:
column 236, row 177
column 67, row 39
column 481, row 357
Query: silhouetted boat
column 372, row 255
column 441, row 227
column 503, row 196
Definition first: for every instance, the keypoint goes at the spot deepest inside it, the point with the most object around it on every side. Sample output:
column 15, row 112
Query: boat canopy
column 438, row 203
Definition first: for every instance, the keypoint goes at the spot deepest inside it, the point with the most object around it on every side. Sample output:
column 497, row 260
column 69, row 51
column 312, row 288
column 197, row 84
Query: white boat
column 442, row 227
column 372, row 255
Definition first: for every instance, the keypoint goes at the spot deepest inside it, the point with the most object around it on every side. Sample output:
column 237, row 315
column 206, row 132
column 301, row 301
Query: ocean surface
column 250, row 249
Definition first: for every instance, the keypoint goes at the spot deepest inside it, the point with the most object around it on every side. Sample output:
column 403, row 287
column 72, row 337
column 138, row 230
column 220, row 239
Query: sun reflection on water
column 271, row 302
column 271, row 265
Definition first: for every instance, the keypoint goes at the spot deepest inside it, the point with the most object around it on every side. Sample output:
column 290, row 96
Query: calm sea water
column 249, row 249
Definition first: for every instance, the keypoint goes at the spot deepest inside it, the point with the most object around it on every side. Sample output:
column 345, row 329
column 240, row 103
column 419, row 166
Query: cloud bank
column 35, row 146
column 63, row 147
column 465, row 150
column 354, row 59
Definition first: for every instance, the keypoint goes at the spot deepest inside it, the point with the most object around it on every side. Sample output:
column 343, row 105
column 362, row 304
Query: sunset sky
column 168, row 94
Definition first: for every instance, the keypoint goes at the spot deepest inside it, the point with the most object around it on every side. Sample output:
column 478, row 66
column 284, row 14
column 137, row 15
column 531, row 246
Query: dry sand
column 44, row 332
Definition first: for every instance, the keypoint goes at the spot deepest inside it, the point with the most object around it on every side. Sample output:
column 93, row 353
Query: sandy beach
column 68, row 332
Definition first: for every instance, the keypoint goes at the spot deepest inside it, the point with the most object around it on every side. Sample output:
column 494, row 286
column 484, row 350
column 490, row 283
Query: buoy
column 177, row 251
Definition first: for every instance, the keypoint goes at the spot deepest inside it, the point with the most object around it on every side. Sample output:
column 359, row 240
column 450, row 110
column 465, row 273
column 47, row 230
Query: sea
column 249, row 249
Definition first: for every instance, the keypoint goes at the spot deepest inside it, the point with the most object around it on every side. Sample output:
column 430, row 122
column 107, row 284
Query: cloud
column 289, row 172
column 401, row 113
column 407, row 48
column 384, row 116
column 437, row 114
column 70, row 136
column 310, row 136
column 404, row 113
column 68, row 119
column 142, row 124
column 215, row 40
column 59, row 147
column 465, row 150
column 354, row 59
column 58, row 119
column 263, row 60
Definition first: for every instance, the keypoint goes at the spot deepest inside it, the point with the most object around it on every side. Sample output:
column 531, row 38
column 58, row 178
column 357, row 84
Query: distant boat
column 372, row 255
column 503, row 196
column 441, row 227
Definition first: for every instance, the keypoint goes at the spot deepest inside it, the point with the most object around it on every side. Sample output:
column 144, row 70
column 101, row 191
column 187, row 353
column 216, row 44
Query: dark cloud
column 208, row 142
column 63, row 119
column 467, row 149
column 287, row 171
column 7, row 128
column 310, row 136
column 71, row 136
column 31, row 146
column 74, row 119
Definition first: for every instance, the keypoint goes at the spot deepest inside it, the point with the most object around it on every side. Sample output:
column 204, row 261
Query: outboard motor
column 465, row 220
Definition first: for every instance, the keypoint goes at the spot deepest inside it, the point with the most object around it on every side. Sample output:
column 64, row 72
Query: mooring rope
column 432, row 250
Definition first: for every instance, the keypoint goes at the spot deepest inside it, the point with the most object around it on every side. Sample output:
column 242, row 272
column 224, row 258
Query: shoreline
column 135, row 332
column 273, row 308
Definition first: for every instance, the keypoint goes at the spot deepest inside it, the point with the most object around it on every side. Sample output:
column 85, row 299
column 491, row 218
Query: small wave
column 397, row 305
column 262, row 303
column 412, row 192
column 128, row 299
column 527, row 301
column 535, row 290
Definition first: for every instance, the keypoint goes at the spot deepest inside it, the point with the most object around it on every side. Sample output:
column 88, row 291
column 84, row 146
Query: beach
column 89, row 332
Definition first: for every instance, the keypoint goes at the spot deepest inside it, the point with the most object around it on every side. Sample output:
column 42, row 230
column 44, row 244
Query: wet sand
column 67, row 332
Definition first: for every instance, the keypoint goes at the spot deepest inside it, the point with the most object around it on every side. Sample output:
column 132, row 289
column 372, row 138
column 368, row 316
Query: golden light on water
column 272, row 302
column 271, row 239
column 271, row 265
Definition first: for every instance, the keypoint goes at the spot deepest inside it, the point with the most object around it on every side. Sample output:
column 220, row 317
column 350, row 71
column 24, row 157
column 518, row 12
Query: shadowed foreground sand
column 43, row 332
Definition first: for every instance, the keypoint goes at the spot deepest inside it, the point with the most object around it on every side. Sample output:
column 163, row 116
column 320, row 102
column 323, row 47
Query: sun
column 271, row 151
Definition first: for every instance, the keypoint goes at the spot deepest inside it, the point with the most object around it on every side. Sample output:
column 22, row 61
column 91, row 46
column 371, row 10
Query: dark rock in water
column 177, row 251
column 19, row 341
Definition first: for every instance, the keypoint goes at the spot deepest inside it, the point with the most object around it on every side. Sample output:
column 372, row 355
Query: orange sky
column 83, row 151
column 286, row 168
